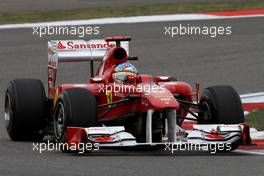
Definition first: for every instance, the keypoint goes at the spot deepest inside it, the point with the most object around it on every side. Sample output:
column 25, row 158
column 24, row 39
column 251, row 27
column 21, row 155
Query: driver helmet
column 125, row 73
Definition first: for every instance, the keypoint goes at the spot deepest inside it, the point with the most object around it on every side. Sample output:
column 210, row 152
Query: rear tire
column 25, row 110
column 221, row 105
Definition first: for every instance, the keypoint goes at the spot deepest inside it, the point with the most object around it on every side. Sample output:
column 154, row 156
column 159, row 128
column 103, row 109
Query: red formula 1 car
column 120, row 108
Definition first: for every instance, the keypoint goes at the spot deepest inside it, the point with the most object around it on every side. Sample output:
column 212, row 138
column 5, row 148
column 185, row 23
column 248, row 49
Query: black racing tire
column 221, row 105
column 25, row 110
column 76, row 107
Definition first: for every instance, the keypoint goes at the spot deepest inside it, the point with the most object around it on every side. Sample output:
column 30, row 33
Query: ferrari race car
column 119, row 107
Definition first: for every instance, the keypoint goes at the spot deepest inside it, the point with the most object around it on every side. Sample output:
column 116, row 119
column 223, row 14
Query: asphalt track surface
column 236, row 60
column 17, row 5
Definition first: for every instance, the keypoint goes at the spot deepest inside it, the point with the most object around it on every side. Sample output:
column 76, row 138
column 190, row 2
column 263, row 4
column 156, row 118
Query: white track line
column 135, row 19
column 251, row 152
column 251, row 98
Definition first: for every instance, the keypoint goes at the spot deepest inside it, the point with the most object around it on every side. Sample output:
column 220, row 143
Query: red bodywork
column 156, row 100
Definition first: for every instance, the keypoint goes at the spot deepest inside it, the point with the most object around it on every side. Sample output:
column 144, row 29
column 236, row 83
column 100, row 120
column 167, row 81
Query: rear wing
column 79, row 51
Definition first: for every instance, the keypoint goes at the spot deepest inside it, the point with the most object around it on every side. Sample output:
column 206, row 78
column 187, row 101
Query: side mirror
column 97, row 80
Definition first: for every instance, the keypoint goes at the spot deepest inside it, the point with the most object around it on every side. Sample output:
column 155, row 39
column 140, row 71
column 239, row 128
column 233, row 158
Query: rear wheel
column 25, row 110
column 75, row 108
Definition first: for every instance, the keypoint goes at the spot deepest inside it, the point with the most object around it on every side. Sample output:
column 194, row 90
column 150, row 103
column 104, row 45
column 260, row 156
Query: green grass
column 117, row 11
column 256, row 119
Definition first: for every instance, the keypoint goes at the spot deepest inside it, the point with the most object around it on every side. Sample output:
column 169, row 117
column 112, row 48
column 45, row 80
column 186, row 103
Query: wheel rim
column 59, row 121
column 8, row 111
column 206, row 112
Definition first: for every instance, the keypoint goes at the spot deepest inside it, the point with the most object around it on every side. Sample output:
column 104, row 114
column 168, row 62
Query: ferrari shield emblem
column 109, row 97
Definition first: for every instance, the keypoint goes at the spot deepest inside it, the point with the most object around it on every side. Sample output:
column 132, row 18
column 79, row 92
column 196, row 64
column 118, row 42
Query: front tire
column 221, row 105
column 75, row 107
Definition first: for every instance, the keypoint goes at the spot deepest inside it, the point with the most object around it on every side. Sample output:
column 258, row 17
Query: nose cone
column 160, row 98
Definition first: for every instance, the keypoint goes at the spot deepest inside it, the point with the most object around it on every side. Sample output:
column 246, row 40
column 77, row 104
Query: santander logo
column 83, row 45
column 60, row 46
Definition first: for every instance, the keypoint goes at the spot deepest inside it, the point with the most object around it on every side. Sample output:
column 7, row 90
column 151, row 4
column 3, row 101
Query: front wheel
column 75, row 107
column 221, row 105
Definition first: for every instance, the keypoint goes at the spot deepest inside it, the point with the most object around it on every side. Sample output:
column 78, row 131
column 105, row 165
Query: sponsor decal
column 214, row 135
column 166, row 100
column 60, row 46
column 64, row 45
column 118, row 94
column 104, row 139
column 181, row 134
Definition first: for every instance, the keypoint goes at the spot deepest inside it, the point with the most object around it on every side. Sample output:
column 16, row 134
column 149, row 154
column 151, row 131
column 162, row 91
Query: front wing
column 202, row 135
